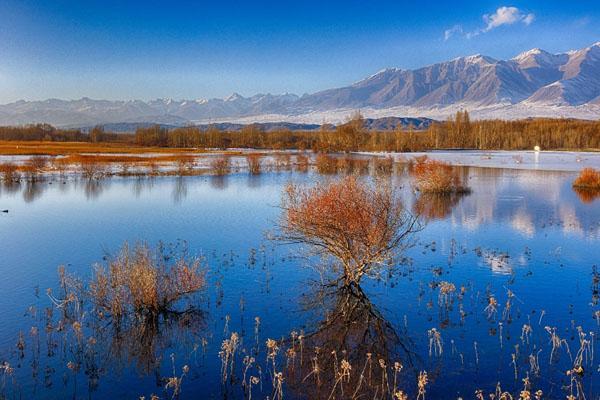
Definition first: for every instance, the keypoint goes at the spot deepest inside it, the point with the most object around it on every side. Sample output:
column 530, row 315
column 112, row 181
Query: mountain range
column 534, row 83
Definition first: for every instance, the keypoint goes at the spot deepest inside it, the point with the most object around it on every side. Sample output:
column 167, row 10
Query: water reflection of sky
column 525, row 229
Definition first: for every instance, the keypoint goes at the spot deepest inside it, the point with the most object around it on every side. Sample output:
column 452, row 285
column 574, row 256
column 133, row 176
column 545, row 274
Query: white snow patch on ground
column 477, row 112
column 529, row 160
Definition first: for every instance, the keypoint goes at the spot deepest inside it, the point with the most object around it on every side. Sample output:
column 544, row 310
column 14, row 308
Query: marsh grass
column 254, row 163
column 352, row 351
column 326, row 164
column 352, row 165
column 383, row 165
column 282, row 161
column 140, row 281
column 91, row 168
column 221, row 165
column 9, row 172
column 302, row 163
column 184, row 164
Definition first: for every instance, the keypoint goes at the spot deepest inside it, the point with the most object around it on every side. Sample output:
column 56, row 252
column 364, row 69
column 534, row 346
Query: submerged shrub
column 588, row 178
column 302, row 162
column 253, row 161
column 141, row 281
column 433, row 176
column 355, row 227
column 221, row 165
column 283, row 161
column 184, row 164
column 349, row 165
column 60, row 164
column 37, row 163
column 9, row 172
column 383, row 166
column 326, row 164
column 90, row 167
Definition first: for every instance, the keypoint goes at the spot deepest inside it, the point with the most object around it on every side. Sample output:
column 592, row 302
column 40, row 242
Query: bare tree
column 356, row 227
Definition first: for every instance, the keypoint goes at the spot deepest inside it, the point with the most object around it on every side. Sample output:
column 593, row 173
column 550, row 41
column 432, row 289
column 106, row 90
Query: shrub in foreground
column 139, row 281
column 433, row 176
column 355, row 227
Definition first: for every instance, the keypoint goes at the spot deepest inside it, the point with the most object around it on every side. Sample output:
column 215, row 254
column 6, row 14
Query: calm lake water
column 521, row 236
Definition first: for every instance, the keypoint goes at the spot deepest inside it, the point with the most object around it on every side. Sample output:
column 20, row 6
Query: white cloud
column 506, row 16
column 503, row 16
column 455, row 30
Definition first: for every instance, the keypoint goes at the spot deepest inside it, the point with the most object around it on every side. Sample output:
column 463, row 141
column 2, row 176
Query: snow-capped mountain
column 534, row 83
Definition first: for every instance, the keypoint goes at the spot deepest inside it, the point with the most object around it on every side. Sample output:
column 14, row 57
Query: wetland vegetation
column 296, row 275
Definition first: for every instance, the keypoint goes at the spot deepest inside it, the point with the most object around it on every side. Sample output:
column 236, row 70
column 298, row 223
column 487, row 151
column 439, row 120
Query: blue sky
column 192, row 49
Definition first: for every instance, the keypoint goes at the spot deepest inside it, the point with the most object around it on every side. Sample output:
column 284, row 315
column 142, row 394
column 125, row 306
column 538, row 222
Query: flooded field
column 500, row 293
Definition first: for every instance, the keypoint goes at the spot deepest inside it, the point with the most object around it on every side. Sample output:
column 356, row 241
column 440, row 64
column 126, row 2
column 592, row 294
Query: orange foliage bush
column 355, row 227
column 589, row 178
column 437, row 177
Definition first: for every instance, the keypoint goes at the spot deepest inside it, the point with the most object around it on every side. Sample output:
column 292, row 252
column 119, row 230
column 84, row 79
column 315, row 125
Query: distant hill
column 535, row 83
column 379, row 124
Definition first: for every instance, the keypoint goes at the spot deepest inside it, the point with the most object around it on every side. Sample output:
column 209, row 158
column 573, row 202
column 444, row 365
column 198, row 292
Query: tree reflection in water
column 77, row 337
column 437, row 205
column 354, row 351
column 180, row 190
column 219, row 182
column 587, row 196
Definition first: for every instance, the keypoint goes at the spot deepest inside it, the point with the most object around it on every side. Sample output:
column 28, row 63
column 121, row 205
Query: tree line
column 458, row 132
column 49, row 133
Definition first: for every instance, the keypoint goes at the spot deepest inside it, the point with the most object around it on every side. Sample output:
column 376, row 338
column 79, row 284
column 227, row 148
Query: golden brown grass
column 326, row 164
column 64, row 148
column 282, row 161
column 350, row 165
column 9, row 147
column 9, row 172
column 302, row 163
column 221, row 165
column 254, row 165
column 383, row 165
column 139, row 281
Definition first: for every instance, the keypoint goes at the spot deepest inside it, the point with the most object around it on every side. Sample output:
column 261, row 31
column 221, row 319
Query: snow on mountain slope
column 534, row 83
